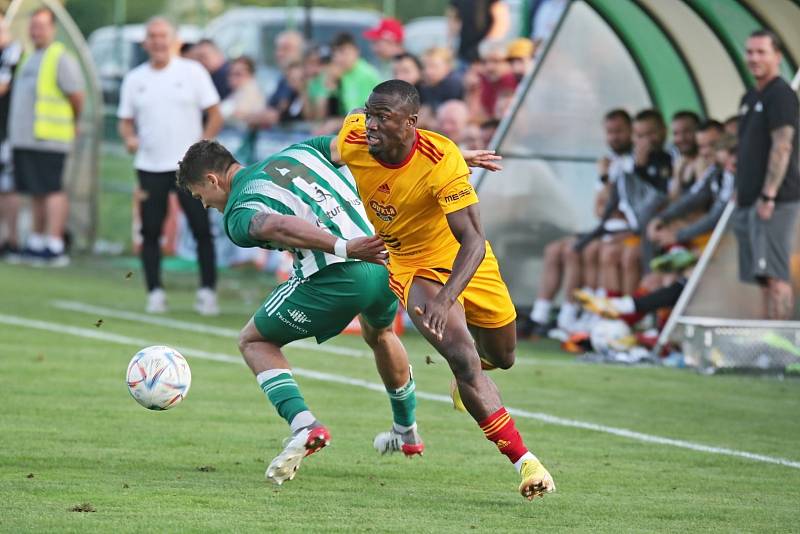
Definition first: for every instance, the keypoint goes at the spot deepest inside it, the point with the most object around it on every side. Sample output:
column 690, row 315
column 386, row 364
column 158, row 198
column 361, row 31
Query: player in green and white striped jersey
column 296, row 200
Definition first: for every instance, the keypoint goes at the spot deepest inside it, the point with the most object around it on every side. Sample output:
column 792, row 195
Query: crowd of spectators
column 321, row 82
column 657, row 205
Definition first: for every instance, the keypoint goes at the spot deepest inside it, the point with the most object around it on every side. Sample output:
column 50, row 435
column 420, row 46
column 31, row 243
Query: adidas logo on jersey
column 384, row 188
column 299, row 317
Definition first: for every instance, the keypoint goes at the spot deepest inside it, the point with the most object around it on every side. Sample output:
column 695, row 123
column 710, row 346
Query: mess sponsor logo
column 455, row 197
column 385, row 212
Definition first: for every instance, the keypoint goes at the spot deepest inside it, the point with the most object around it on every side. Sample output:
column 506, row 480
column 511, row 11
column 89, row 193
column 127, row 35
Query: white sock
column 55, row 244
column 624, row 305
column 525, row 457
column 37, row 242
column 403, row 429
column 541, row 311
column 567, row 315
column 263, row 376
column 302, row 420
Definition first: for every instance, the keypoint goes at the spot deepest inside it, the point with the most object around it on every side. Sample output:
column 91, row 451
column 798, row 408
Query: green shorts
column 323, row 304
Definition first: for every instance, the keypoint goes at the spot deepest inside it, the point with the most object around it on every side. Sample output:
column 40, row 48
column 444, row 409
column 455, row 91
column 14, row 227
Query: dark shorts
column 322, row 305
column 765, row 247
column 38, row 172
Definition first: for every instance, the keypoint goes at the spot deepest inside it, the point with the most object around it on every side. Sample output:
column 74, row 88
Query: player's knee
column 463, row 361
column 375, row 337
column 247, row 336
column 505, row 360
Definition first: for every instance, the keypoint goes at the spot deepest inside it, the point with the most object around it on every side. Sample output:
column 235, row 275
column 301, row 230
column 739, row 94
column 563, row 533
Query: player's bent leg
column 479, row 393
column 274, row 377
column 496, row 346
column 391, row 360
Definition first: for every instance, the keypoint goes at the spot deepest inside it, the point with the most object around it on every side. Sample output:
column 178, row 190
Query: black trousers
column 156, row 187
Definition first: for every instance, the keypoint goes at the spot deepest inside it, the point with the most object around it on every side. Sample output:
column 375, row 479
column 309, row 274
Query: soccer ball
column 158, row 377
column 611, row 335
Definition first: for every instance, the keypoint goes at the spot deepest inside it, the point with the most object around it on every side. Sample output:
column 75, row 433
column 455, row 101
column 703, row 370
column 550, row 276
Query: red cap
column 389, row 28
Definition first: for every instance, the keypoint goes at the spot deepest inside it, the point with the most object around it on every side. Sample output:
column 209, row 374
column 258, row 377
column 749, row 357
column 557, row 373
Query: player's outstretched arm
column 294, row 232
column 466, row 227
column 482, row 158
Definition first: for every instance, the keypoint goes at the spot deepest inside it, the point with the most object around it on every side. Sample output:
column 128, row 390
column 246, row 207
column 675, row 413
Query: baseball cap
column 521, row 48
column 389, row 28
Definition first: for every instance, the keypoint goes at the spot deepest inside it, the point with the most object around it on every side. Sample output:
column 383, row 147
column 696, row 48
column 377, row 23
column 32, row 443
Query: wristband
column 767, row 198
column 340, row 248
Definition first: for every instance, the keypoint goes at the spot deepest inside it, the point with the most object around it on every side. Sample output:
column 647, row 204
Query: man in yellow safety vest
column 46, row 102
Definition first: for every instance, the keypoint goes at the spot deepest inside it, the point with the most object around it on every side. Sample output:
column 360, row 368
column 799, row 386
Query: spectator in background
column 49, row 77
column 357, row 76
column 439, row 82
column 322, row 78
column 684, row 129
column 292, row 110
column 245, row 98
column 452, row 120
column 731, row 125
column 10, row 52
column 386, row 40
column 160, row 115
column 496, row 79
column 289, row 45
column 767, row 178
column 520, row 56
column 211, row 57
column 472, row 21
column 407, row 67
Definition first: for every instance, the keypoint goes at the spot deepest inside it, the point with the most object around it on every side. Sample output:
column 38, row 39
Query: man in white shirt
column 160, row 115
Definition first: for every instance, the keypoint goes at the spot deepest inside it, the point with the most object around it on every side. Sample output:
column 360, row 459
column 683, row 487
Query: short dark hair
column 208, row 42
column 650, row 114
column 408, row 55
column 688, row 115
column 343, row 39
column 202, row 157
column 733, row 119
column 777, row 45
column 406, row 92
column 710, row 124
column 618, row 114
column 248, row 63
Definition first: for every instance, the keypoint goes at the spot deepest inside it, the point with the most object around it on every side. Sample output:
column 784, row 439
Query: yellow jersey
column 407, row 203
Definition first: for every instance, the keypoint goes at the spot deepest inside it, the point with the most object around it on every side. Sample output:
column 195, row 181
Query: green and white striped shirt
column 297, row 181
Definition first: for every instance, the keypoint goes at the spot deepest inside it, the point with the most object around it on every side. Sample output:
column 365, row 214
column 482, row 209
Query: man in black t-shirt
column 767, row 179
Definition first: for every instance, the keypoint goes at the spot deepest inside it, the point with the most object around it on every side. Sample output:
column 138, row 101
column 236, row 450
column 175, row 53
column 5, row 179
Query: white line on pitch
column 339, row 379
column 83, row 307
column 176, row 324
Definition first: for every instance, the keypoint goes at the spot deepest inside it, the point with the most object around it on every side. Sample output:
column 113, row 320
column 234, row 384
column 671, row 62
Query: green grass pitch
column 71, row 435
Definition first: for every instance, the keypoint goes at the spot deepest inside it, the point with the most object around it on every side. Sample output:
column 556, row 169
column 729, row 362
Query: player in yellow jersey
column 416, row 190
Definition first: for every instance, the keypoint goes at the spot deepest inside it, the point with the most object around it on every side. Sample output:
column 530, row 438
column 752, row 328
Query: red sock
column 499, row 428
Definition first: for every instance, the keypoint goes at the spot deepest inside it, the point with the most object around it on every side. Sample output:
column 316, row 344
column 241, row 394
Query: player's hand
column 765, row 209
column 482, row 158
column 434, row 316
column 370, row 249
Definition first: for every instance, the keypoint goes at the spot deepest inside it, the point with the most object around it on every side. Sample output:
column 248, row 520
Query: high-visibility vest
column 53, row 119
